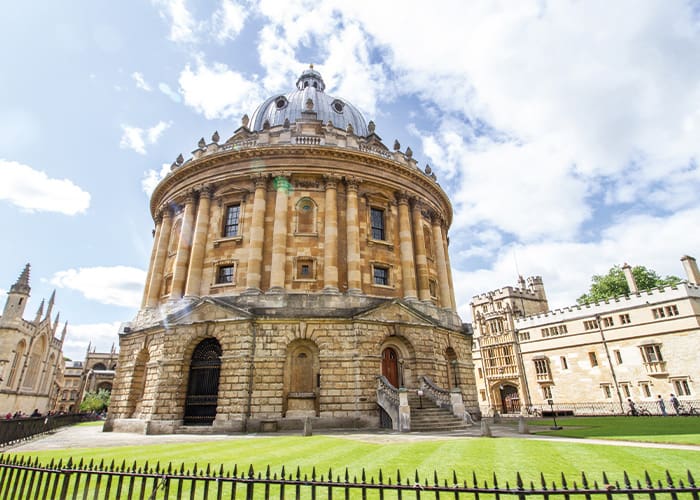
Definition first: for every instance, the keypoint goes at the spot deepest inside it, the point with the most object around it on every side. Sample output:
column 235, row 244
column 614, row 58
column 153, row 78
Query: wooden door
column 390, row 366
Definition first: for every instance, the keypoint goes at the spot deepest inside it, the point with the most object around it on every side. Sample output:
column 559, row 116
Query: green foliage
column 95, row 401
column 614, row 284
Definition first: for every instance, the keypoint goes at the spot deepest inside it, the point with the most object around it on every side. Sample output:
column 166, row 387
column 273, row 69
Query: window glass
column 233, row 213
column 377, row 216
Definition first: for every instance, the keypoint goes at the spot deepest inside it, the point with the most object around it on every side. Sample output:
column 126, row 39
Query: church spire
column 17, row 297
column 39, row 312
column 49, row 309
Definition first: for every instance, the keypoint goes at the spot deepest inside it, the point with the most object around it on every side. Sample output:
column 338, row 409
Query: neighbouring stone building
column 292, row 265
column 31, row 359
column 96, row 372
column 586, row 358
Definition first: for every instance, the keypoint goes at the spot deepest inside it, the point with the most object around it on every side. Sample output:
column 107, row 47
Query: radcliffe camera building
column 299, row 270
column 589, row 358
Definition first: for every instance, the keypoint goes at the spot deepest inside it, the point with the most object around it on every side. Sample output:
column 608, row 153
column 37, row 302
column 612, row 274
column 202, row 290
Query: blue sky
column 565, row 133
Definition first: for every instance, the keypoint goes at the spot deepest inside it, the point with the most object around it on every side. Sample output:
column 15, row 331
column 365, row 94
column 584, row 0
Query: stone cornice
column 194, row 168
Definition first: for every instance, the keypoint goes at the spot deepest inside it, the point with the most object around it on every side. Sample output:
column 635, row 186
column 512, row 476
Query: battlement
column 642, row 298
column 509, row 292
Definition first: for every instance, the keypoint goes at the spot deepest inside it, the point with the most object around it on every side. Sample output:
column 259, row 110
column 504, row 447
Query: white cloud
column 228, row 20
column 166, row 90
column 151, row 178
column 136, row 138
column 100, row 336
column 217, row 91
column 116, row 285
column 34, row 191
column 140, row 82
column 182, row 24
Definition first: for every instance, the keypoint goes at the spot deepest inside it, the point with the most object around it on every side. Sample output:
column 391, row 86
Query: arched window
column 306, row 211
column 35, row 364
column 17, row 363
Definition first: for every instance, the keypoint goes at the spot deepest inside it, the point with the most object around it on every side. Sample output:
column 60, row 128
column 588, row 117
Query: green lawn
column 504, row 456
column 678, row 430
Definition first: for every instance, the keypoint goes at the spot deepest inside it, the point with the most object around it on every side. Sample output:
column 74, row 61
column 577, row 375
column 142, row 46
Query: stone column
column 444, row 285
column 194, row 274
column 184, row 247
column 408, row 271
column 159, row 260
column 353, row 237
column 330, row 235
column 421, row 257
column 151, row 262
column 257, row 235
column 279, row 234
column 449, row 269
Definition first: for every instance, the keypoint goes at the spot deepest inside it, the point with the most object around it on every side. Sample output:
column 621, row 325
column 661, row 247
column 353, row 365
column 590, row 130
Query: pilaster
column 257, row 235
column 420, row 253
column 184, row 248
column 406, row 249
column 279, row 233
column 159, row 261
column 194, row 274
column 330, row 235
column 353, row 236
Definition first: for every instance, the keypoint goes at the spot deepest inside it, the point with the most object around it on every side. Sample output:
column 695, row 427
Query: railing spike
column 381, row 477
column 364, row 476
column 313, row 473
column 282, row 473
column 647, row 478
column 267, row 472
column 298, row 473
column 495, row 480
column 417, row 479
column 330, row 474
column 669, row 479
column 111, row 466
column 563, row 481
column 542, row 481
column 435, row 478
column 474, row 481
column 518, row 480
column 398, row 476
column 691, row 480
column 251, row 472
column 221, row 470
column 584, row 480
column 626, row 479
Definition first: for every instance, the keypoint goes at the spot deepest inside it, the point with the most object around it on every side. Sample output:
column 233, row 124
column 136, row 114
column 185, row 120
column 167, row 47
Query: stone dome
column 310, row 86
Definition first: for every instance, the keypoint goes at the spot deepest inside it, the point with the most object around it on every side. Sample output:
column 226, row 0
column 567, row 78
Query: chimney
column 630, row 278
column 691, row 269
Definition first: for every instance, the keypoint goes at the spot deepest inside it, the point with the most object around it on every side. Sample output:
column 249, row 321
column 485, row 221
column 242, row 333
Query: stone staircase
column 432, row 418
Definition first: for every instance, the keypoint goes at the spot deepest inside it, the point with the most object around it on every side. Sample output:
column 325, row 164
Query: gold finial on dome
column 311, row 66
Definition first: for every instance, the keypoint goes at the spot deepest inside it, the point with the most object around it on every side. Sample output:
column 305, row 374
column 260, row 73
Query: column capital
column 206, row 191
column 164, row 211
column 402, row 197
column 190, row 197
column 259, row 180
column 352, row 183
column 331, row 181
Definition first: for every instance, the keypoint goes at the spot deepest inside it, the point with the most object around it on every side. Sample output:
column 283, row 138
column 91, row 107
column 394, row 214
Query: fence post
column 65, row 474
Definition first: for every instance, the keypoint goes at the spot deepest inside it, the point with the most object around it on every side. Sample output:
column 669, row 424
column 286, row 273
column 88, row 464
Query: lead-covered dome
column 310, row 86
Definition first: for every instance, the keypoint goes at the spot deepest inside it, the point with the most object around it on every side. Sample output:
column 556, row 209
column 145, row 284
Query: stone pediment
column 206, row 309
column 396, row 311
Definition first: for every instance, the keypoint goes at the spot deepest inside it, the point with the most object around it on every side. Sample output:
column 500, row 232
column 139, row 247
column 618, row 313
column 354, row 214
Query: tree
column 95, row 401
column 614, row 284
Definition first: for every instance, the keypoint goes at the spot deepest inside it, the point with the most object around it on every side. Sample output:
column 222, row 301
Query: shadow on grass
column 682, row 430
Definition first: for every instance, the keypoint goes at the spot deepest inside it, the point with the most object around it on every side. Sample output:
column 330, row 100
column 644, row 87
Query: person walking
column 676, row 404
column 633, row 408
column 662, row 405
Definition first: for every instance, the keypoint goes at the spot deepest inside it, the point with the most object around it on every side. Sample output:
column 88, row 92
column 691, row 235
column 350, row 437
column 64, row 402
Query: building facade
column 587, row 358
column 31, row 358
column 93, row 374
column 292, row 265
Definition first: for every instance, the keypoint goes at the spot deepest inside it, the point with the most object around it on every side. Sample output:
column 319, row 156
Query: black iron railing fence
column 23, row 478
column 16, row 430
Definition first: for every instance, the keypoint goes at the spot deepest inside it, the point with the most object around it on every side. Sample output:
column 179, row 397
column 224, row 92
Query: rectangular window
column 625, row 389
column 658, row 312
column 652, row 353
column 432, row 286
column 607, row 321
column 593, row 358
column 645, row 389
column 541, row 367
column 224, row 274
column 682, row 387
column 607, row 392
column 524, row 335
column 547, row 391
column 377, row 220
column 381, row 275
column 233, row 213
column 671, row 310
column 591, row 324
column 618, row 356
column 564, row 364
column 625, row 319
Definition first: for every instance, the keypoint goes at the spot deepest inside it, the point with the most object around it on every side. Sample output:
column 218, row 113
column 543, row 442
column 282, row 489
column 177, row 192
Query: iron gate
column 203, row 383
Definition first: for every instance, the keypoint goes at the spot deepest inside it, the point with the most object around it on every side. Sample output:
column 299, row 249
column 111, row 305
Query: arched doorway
column 302, row 380
column 390, row 366
column 203, row 383
column 451, row 362
column 510, row 401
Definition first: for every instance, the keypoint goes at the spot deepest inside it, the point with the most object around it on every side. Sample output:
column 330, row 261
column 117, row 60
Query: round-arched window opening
column 306, row 207
column 338, row 106
column 281, row 102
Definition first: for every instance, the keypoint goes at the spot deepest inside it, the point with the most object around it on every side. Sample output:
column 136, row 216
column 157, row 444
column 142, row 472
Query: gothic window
column 377, row 221
column 16, row 362
column 35, row 364
column 232, row 220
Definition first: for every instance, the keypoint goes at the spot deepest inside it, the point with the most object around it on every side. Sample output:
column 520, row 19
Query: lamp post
column 420, row 397
column 555, row 427
column 454, row 371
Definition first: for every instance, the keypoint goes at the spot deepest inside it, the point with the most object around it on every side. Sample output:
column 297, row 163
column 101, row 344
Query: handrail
column 438, row 395
column 388, row 399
